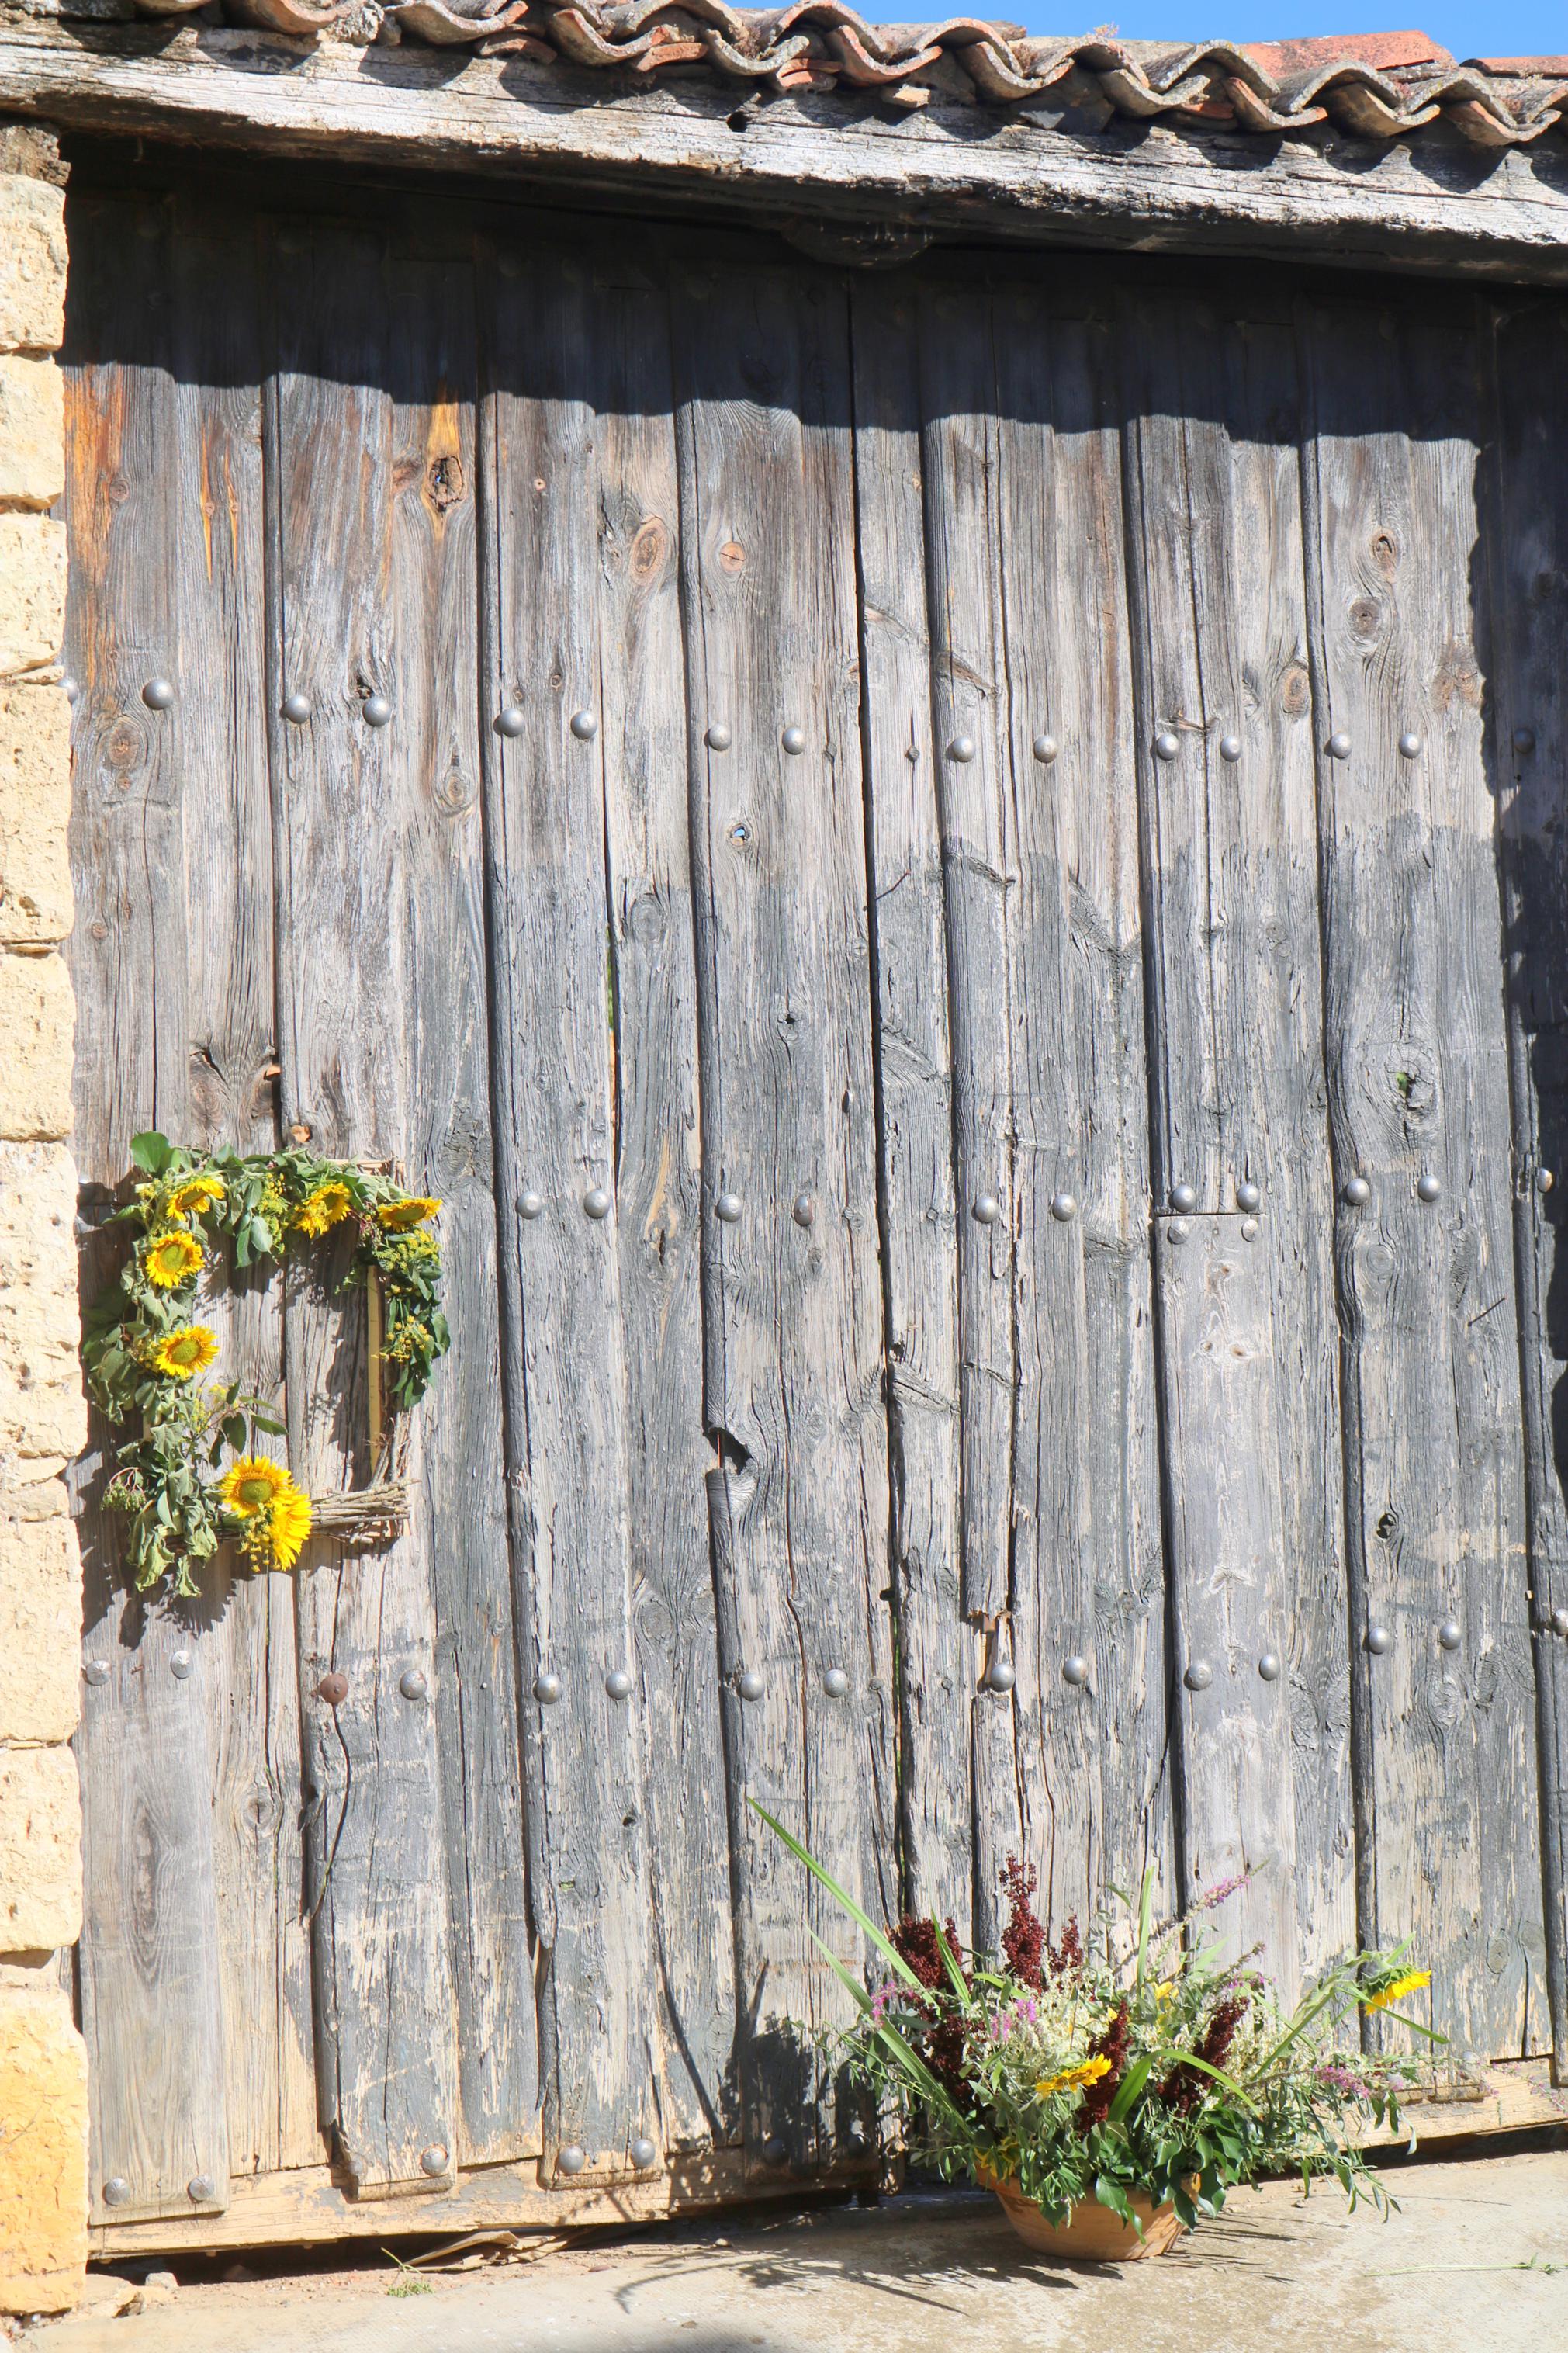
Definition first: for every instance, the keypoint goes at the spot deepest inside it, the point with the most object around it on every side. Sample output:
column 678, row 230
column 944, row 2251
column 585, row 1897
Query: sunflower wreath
column 146, row 1354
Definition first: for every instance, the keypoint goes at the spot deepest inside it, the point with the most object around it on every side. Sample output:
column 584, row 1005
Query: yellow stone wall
column 43, row 2069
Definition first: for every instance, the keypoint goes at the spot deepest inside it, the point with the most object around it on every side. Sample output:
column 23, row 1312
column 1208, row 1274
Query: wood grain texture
column 1351, row 204
column 1089, row 1761
column 659, row 1146
column 150, row 1970
column 1526, row 522
column 1230, row 852
column 564, row 1364
column 937, row 1652
column 1418, row 1069
column 793, row 1309
column 359, row 585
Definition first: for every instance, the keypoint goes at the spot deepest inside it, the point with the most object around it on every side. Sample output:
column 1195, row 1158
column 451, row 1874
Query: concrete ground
column 1476, row 2259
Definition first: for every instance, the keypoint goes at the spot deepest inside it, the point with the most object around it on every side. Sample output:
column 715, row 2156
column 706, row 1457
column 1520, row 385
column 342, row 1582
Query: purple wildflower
column 1217, row 1894
column 1348, row 2086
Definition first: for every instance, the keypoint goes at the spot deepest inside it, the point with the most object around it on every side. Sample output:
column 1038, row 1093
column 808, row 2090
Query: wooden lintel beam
column 950, row 170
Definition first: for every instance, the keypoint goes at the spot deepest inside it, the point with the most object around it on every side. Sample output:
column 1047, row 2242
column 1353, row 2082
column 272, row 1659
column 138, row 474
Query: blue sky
column 1489, row 29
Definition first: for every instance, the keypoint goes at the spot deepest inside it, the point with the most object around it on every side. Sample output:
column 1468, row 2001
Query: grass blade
column 889, row 1953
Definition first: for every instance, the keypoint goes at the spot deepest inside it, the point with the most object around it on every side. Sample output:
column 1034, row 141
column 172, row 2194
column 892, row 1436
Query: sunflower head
column 291, row 1525
column 1088, row 2071
column 189, row 1350
column 195, row 1196
column 402, row 1217
column 327, row 1207
column 252, row 1485
column 171, row 1258
column 1395, row 1989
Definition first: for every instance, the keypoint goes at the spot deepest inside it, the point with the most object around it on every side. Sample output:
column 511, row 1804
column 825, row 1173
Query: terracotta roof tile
column 1376, row 85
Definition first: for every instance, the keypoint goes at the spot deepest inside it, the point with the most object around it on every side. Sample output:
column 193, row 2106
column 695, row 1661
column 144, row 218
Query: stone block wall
column 43, row 2070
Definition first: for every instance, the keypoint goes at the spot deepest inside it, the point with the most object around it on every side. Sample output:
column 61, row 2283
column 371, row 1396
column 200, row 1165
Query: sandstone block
column 40, row 1625
column 32, row 592
column 32, row 430
column 43, row 1418
column 43, row 2151
column 40, row 1849
column 32, row 265
column 34, row 804
column 37, row 1022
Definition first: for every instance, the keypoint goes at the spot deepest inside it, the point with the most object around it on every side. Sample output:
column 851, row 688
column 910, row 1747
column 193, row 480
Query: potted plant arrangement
column 1110, row 2089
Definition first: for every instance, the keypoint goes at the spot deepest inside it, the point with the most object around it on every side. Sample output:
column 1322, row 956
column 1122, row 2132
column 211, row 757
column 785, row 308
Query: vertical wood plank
column 1525, row 531
column 659, row 1143
column 1230, row 854
column 1417, row 1051
column 563, row 1365
column 792, row 1287
column 936, row 1650
column 150, row 1953
column 1089, row 1583
column 357, row 585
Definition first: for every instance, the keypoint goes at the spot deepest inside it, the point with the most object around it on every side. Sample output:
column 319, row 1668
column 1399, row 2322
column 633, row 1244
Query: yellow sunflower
column 1088, row 2071
column 291, row 1525
column 1395, row 1988
column 252, row 1485
column 328, row 1206
column 171, row 1258
column 195, row 1196
column 189, row 1350
column 400, row 1216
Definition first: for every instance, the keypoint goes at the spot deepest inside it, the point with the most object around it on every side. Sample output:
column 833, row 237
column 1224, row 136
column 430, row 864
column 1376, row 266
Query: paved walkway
column 919, row 2272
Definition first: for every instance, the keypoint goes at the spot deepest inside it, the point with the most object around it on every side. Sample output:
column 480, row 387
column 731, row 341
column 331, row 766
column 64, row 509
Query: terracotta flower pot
column 1091, row 2232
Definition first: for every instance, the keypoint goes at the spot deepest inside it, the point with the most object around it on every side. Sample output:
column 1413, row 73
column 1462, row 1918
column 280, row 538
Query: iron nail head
column 1450, row 1634
column 727, row 1209
column 718, row 738
column 530, row 1206
column 987, row 1209
column 749, row 1684
column 96, row 1672
column 1074, row 1669
column 1063, row 1207
column 569, row 2159
column 643, row 2155
column 803, row 1209
column 1001, row 1675
column 1560, row 1622
column 1177, row 1230
column 1544, row 1180
column 333, row 1687
column 836, row 1682
column 1358, row 1192
column 1379, row 1640
column 117, row 2190
column 1524, row 739
column 377, row 710
column 962, row 749
column 1199, row 1675
column 158, row 695
column 596, row 1203
column 547, row 1688
column 1046, row 748
column 585, row 726
column 1230, row 747
column 412, row 1683
column 1248, row 1195
column 1410, row 745
column 1183, row 1200
column 1249, row 1230
column 1166, row 745
column 296, row 709
column 180, row 1664
column 619, row 1683
column 1339, row 746
column 794, row 741
column 434, row 2159
column 200, row 2189
column 1428, row 1187
column 1269, row 1666
column 512, row 720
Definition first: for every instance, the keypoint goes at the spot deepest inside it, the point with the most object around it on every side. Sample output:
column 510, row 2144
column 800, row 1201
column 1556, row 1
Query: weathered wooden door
column 956, row 879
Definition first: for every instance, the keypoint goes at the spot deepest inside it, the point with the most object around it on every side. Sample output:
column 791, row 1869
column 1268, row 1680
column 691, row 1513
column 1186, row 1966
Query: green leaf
column 265, row 1421
column 1145, row 1922
column 233, row 1431
column 1191, row 2058
column 1127, row 2090
column 151, row 1152
column 889, row 1953
column 950, row 1959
